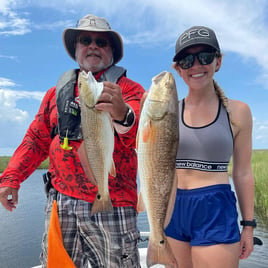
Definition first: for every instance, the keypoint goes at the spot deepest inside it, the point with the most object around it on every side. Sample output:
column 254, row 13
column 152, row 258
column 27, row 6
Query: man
column 104, row 239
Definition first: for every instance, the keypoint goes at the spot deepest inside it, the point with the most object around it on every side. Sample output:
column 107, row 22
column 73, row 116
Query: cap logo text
column 194, row 33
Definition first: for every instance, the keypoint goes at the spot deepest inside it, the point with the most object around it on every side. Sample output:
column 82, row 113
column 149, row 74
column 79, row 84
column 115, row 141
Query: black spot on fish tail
column 101, row 203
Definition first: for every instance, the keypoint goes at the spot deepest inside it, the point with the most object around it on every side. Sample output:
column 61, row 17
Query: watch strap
column 252, row 223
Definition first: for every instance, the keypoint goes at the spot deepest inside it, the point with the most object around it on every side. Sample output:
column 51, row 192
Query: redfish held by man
column 96, row 150
column 157, row 147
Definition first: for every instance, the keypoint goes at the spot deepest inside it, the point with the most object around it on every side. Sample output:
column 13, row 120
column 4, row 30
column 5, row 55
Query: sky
column 32, row 55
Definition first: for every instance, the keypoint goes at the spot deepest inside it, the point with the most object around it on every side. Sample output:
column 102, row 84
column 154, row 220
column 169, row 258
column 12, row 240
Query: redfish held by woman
column 96, row 151
column 157, row 147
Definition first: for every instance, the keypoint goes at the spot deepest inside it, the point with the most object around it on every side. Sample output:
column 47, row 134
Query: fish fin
column 146, row 131
column 141, row 205
column 113, row 169
column 82, row 153
column 144, row 96
column 172, row 198
column 101, row 204
column 160, row 254
column 137, row 140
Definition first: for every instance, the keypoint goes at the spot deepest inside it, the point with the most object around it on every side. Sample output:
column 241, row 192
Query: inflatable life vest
column 69, row 118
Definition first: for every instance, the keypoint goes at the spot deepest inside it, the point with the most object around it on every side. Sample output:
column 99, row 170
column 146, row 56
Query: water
column 21, row 231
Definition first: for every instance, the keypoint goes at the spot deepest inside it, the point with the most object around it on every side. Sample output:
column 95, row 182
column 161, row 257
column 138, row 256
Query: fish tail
column 101, row 203
column 161, row 254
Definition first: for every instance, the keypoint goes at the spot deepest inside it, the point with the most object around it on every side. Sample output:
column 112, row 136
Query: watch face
column 130, row 118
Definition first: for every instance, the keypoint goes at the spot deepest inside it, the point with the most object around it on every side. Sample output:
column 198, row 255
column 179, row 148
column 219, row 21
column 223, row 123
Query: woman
column 203, row 230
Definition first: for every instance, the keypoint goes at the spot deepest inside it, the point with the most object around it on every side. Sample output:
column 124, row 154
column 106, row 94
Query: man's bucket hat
column 92, row 23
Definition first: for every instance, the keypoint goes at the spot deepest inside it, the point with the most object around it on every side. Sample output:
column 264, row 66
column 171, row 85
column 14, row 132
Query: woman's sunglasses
column 87, row 40
column 204, row 58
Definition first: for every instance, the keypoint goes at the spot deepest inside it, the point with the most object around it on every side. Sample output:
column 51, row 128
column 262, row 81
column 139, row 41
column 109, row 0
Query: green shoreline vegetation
column 260, row 171
column 259, row 162
column 5, row 159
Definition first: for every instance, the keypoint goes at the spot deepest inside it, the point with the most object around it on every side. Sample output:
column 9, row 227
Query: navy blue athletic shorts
column 205, row 216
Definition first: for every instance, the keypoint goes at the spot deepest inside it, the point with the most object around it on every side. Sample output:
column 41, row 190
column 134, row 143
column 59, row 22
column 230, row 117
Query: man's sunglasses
column 204, row 58
column 87, row 40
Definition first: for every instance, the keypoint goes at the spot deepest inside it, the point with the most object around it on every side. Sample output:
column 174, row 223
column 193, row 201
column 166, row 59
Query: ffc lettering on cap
column 196, row 35
column 193, row 34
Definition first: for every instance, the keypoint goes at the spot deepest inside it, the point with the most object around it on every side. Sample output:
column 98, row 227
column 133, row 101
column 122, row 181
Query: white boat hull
column 143, row 253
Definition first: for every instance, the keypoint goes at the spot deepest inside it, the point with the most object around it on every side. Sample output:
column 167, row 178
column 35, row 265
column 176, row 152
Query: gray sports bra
column 206, row 148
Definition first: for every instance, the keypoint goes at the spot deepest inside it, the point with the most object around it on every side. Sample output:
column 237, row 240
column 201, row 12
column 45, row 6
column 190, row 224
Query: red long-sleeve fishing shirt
column 67, row 173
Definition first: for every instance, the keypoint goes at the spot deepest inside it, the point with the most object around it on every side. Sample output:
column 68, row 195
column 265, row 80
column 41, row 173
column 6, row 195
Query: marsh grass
column 260, row 171
column 3, row 162
column 5, row 159
column 259, row 163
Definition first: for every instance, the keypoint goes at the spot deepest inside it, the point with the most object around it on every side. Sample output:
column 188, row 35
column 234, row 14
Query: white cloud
column 52, row 26
column 14, row 120
column 8, row 57
column 260, row 132
column 5, row 82
column 9, row 112
column 11, row 22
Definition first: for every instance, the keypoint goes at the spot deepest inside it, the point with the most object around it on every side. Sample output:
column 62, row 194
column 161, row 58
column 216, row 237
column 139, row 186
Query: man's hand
column 9, row 197
column 111, row 100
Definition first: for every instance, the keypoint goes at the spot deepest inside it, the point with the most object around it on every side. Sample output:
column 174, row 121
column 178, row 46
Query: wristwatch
column 252, row 223
column 128, row 119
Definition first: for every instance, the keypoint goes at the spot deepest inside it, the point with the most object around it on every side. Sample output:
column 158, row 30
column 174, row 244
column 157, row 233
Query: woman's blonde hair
column 224, row 99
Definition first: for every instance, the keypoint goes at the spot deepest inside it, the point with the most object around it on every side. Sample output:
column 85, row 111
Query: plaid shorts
column 102, row 240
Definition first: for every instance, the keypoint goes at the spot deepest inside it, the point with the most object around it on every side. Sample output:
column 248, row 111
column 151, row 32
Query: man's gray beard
column 101, row 66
